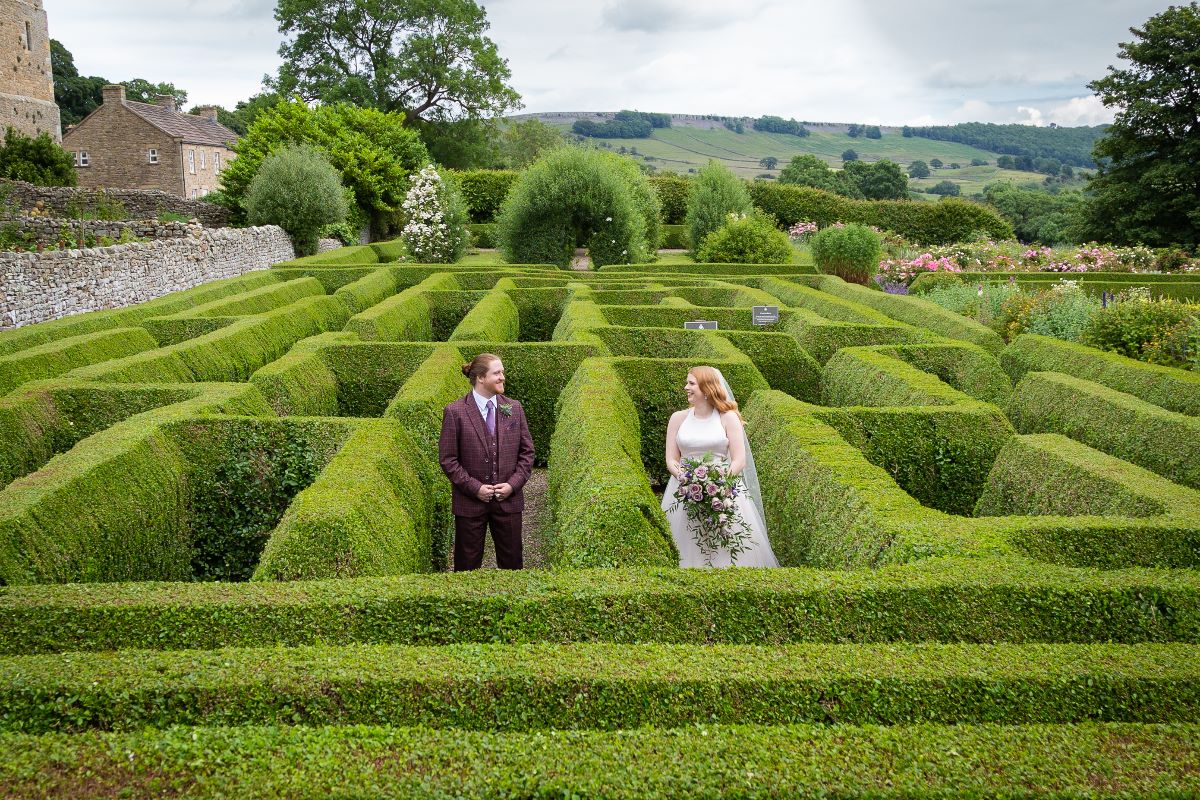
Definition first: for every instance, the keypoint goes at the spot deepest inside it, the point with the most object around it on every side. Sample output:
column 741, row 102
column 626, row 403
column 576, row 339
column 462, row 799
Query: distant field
column 684, row 147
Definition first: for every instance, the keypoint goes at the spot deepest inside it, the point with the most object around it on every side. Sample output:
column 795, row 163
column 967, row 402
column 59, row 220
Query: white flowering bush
column 435, row 220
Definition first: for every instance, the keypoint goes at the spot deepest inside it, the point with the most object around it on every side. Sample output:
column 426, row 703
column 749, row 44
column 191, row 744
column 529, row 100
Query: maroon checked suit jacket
column 465, row 455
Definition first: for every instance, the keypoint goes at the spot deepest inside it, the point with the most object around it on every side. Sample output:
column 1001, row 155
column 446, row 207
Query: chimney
column 113, row 93
column 208, row 112
column 166, row 101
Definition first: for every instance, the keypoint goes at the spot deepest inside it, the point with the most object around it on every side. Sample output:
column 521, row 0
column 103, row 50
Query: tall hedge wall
column 945, row 222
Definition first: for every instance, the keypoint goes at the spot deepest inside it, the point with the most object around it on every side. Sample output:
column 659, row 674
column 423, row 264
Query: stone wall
column 134, row 204
column 49, row 230
column 35, row 287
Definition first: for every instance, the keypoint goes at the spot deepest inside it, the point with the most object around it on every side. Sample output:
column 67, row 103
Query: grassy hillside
column 691, row 142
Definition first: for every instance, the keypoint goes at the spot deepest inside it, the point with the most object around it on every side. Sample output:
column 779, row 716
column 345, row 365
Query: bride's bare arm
column 673, row 454
column 737, row 441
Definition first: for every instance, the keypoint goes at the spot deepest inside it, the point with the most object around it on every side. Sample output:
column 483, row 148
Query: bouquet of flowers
column 707, row 492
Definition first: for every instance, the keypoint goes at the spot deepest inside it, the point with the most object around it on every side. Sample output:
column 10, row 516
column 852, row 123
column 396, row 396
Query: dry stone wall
column 135, row 204
column 50, row 230
column 35, row 287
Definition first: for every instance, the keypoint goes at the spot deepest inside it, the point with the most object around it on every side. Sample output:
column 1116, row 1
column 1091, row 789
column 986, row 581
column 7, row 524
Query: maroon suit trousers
column 506, row 536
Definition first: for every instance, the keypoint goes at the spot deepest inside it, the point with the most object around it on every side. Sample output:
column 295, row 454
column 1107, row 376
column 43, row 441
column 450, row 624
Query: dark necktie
column 490, row 419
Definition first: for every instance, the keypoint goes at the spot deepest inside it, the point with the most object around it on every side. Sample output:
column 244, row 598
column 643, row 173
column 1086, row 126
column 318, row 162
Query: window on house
column 216, row 162
column 153, row 156
column 81, row 158
column 201, row 159
column 193, row 194
column 192, row 161
column 28, row 36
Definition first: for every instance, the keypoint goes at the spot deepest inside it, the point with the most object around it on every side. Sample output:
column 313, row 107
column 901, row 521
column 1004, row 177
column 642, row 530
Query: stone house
column 129, row 145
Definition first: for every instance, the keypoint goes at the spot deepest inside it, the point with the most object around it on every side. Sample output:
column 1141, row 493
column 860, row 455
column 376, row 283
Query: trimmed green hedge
column 827, row 505
column 219, row 313
column 604, row 511
column 539, row 310
column 300, row 383
column 1093, row 760
column 933, row 600
column 822, row 338
column 602, row 686
column 369, row 290
column 827, row 305
column 1172, row 389
column 938, row 443
column 912, row 310
column 1049, row 474
column 1180, row 286
column 782, row 361
column 231, row 353
column 493, row 318
column 77, row 324
column 967, row 367
column 436, row 383
column 114, row 510
column 1119, row 424
column 365, row 514
column 403, row 317
column 660, row 271
column 483, row 235
column 355, row 254
column 945, row 222
column 484, row 190
column 674, row 237
column 389, row 251
column 63, row 355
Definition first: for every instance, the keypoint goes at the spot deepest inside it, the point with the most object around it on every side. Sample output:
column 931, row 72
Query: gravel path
column 535, row 520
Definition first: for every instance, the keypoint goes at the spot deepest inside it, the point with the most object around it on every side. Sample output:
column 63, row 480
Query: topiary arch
column 579, row 198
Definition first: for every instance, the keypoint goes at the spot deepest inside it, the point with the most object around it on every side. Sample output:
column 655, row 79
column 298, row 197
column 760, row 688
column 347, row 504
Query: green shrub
column 484, row 191
column 750, row 239
column 851, row 252
column 482, row 235
column 715, row 194
column 574, row 197
column 1063, row 312
column 1177, row 346
column 35, row 159
column 674, row 237
column 1128, row 326
column 672, row 191
column 298, row 190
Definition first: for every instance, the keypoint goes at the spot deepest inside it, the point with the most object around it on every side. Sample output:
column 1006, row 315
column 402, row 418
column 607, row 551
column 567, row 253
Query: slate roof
column 191, row 128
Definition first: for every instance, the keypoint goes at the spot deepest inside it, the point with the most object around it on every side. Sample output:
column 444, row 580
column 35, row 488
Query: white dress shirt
column 481, row 402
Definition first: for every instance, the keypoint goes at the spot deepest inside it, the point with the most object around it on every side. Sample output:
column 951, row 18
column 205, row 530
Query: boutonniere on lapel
column 506, row 409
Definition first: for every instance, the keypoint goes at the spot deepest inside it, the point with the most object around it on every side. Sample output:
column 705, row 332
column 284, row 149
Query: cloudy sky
column 871, row 61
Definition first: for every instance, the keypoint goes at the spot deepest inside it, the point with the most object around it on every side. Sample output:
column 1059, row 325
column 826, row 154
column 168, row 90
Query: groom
column 487, row 453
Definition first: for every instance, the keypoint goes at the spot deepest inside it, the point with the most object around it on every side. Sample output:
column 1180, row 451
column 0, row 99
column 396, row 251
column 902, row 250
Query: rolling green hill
column 692, row 141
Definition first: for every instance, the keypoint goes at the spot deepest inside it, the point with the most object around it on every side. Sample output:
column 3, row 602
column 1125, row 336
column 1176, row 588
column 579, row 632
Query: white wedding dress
column 695, row 438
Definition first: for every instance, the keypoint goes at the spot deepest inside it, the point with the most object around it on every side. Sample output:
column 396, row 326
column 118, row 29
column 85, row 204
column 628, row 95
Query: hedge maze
column 224, row 532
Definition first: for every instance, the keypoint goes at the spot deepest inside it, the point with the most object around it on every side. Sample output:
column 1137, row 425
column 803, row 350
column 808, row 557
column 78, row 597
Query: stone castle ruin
column 27, row 86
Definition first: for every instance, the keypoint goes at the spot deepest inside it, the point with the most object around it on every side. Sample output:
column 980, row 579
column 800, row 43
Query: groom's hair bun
column 477, row 367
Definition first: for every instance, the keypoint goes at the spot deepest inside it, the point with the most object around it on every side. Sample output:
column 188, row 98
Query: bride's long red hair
column 710, row 384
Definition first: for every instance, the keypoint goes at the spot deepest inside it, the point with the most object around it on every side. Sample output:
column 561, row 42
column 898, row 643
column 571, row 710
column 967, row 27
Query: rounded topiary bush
column 298, row 190
column 579, row 198
column 748, row 239
column 716, row 193
column 851, row 252
column 435, row 219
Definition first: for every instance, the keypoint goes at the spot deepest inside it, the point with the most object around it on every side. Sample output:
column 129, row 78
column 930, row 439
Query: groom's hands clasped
column 494, row 491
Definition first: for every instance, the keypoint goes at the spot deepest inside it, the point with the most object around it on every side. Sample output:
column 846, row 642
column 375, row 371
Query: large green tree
column 878, row 180
column 808, row 170
column 372, row 151
column 427, row 59
column 1149, row 158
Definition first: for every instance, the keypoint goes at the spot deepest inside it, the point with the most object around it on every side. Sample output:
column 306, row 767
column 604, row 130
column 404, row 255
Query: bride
column 712, row 424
